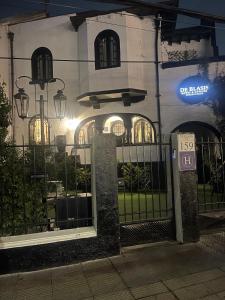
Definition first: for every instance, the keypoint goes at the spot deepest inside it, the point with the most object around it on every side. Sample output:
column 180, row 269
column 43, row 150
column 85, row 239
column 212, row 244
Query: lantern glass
column 22, row 103
column 60, row 104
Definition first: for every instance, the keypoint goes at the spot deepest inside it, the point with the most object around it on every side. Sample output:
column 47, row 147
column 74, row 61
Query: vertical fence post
column 105, row 192
column 185, row 187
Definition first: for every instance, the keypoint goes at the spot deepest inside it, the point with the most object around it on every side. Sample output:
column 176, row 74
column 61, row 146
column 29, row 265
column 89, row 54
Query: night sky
column 57, row 7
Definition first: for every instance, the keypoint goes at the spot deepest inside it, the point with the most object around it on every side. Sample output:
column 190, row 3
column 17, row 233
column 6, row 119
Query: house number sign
column 186, row 152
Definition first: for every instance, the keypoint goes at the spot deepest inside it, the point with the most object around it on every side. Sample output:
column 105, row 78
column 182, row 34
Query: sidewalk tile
column 105, row 283
column 35, row 293
column 96, row 267
column 195, row 278
column 164, row 296
column 69, row 295
column 66, row 271
column 29, row 280
column 221, row 295
column 212, row 297
column 217, row 285
column 8, row 295
column 193, row 292
column 148, row 290
column 120, row 295
column 76, row 285
column 8, row 282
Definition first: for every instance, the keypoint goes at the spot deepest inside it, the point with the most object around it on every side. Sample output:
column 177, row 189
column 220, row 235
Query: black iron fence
column 211, row 174
column 142, row 182
column 44, row 188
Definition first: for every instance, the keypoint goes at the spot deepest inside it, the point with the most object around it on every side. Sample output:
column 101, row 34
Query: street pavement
column 161, row 271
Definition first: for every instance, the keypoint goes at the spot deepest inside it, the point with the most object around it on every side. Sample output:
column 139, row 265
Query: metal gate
column 145, row 193
column 211, row 188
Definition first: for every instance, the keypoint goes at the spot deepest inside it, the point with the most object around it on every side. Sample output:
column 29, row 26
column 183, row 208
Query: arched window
column 107, row 50
column 41, row 64
column 35, row 130
column 81, row 137
column 86, row 133
column 118, row 128
column 143, row 131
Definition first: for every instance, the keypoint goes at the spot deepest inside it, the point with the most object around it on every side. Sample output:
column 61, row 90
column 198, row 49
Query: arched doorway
column 202, row 131
column 210, row 152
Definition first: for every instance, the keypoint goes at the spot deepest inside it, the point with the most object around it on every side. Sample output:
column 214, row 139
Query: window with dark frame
column 107, row 50
column 42, row 66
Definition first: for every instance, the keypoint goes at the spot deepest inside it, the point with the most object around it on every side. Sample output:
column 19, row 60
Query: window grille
column 42, row 66
column 107, row 50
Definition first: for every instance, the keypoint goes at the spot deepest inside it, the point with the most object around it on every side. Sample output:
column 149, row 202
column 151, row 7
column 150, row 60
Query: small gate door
column 145, row 193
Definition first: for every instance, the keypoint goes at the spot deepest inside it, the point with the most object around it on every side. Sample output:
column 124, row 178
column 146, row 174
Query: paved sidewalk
column 161, row 271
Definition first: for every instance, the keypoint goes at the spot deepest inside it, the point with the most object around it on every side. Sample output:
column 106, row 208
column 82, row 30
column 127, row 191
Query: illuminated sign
column 194, row 89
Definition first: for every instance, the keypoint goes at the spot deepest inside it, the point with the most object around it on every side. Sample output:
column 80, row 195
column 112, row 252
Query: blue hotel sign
column 194, row 89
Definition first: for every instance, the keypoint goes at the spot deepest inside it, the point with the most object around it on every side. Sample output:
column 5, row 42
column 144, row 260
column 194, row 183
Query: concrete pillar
column 185, row 187
column 105, row 191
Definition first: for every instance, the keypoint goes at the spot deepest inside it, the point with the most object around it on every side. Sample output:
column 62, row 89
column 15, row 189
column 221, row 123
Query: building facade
column 107, row 63
column 125, row 73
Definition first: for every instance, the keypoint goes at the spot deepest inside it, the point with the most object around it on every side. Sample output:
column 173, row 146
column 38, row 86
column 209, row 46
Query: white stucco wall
column 113, row 78
column 58, row 35
column 174, row 111
column 136, row 44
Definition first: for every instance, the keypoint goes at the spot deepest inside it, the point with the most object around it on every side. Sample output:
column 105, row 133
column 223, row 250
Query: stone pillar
column 99, row 124
column 105, row 192
column 128, row 126
column 185, row 187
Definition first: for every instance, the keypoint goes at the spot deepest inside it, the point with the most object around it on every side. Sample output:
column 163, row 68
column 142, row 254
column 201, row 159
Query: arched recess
column 120, row 124
column 208, row 149
column 202, row 130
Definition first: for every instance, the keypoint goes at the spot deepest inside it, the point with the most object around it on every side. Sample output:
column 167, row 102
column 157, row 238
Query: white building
column 107, row 63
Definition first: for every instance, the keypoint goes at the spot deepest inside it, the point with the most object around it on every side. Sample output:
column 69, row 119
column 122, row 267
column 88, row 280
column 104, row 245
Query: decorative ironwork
column 46, row 189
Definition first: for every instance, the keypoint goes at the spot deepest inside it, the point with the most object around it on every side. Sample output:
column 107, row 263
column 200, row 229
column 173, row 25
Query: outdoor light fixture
column 22, row 100
column 22, row 103
column 60, row 104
